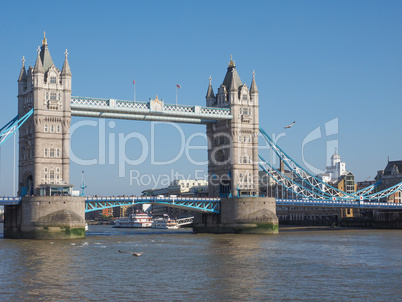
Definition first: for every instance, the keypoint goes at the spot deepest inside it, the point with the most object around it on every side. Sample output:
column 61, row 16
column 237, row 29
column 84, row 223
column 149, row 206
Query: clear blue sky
column 314, row 61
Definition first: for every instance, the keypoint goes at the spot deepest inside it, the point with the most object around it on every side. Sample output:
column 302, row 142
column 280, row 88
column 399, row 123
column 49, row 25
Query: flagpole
column 176, row 95
column 134, row 89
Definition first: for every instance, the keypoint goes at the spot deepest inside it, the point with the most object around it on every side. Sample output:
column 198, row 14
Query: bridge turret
column 38, row 72
column 211, row 100
column 233, row 146
column 45, row 137
column 22, row 79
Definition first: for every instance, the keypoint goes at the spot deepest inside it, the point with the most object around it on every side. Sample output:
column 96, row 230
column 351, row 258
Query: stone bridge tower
column 44, row 139
column 233, row 163
column 47, row 209
column 233, row 145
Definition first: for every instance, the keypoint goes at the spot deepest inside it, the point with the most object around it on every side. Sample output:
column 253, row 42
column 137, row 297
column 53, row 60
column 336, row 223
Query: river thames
column 306, row 265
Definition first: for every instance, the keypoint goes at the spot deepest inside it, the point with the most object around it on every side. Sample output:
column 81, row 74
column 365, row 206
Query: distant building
column 336, row 169
column 364, row 184
column 337, row 176
column 390, row 176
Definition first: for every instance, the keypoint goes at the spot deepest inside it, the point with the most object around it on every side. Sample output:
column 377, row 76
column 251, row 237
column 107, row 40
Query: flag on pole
column 178, row 86
column 134, row 82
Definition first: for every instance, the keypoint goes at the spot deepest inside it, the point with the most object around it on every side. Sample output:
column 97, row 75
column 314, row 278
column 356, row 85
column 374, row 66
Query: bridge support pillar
column 248, row 215
column 46, row 217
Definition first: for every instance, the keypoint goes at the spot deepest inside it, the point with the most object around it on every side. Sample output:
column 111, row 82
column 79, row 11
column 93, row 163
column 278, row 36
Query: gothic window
column 51, row 154
column 58, row 129
column 58, row 96
column 47, row 95
column 51, row 174
column 57, row 152
column 45, row 169
column 46, row 152
column 45, row 127
column 53, row 80
column 57, row 170
column 23, row 153
column 51, row 128
column 53, row 103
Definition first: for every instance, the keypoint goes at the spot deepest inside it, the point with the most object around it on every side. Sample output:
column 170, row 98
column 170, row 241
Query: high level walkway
column 154, row 110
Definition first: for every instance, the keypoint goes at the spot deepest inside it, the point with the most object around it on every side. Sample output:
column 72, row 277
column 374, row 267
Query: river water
column 307, row 265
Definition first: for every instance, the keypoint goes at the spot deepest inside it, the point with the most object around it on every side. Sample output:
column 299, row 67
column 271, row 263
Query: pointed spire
column 210, row 92
column 232, row 76
column 23, row 73
column 66, row 67
column 38, row 65
column 253, row 87
column 45, row 54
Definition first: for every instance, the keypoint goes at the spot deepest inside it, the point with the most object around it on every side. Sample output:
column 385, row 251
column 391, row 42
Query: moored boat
column 165, row 223
column 134, row 221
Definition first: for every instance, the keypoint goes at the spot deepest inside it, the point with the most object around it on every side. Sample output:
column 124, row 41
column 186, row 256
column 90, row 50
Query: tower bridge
column 44, row 94
column 231, row 116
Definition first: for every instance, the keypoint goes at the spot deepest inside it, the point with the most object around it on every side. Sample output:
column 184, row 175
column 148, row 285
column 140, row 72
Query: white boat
column 135, row 221
column 165, row 223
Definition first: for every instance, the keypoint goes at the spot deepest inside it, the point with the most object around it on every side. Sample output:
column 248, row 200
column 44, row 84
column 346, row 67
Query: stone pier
column 244, row 215
column 46, row 217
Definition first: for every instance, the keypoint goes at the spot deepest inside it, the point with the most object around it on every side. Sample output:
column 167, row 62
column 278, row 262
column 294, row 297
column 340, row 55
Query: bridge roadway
column 210, row 205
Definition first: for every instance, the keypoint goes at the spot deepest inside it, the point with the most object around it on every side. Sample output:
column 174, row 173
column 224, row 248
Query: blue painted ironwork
column 209, row 205
column 212, row 205
column 111, row 108
column 319, row 186
column 288, row 183
column 368, row 189
column 337, row 204
column 8, row 201
column 315, row 187
column 12, row 126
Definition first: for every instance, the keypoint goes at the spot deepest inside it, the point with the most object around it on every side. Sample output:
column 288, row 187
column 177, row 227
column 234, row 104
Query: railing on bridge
column 146, row 111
